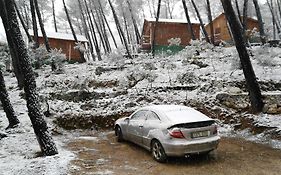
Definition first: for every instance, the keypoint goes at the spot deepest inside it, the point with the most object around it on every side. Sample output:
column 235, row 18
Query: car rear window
column 195, row 124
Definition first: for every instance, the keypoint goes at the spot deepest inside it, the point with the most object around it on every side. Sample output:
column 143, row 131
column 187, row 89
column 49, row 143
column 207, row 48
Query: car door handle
column 141, row 126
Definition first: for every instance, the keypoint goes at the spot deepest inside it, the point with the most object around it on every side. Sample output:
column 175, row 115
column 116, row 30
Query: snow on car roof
column 193, row 21
column 179, row 114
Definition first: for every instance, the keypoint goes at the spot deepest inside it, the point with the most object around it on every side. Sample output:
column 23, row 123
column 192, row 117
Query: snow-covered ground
column 19, row 151
column 116, row 85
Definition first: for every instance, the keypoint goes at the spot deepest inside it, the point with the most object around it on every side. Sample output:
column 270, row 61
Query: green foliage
column 41, row 56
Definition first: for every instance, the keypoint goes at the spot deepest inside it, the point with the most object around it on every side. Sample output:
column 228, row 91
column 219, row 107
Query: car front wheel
column 158, row 151
column 118, row 133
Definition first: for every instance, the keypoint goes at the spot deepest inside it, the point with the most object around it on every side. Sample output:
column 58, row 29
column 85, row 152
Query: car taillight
column 215, row 130
column 176, row 133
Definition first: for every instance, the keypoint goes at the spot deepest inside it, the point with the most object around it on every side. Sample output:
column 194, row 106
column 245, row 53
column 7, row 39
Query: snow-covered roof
column 62, row 36
column 193, row 21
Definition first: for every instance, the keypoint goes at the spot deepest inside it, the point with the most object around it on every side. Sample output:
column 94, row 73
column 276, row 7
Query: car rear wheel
column 118, row 133
column 158, row 151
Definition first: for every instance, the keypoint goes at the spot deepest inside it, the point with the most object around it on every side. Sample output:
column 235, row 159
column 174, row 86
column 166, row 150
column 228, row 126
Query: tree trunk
column 126, row 27
column 169, row 9
column 137, row 33
column 210, row 22
column 106, row 22
column 251, row 80
column 54, row 16
column 155, row 28
column 99, row 31
column 279, row 7
column 46, row 42
column 120, row 30
column 238, row 11
column 102, row 23
column 34, row 24
column 23, row 24
column 273, row 18
column 97, row 48
column 201, row 21
column 40, row 127
column 86, row 30
column 14, row 55
column 261, row 25
column 7, row 106
column 82, row 59
column 190, row 29
column 245, row 17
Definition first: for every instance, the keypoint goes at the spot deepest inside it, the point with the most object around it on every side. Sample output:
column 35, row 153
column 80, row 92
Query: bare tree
column 23, row 23
column 54, row 16
column 92, row 29
column 274, row 21
column 7, row 106
column 245, row 17
column 250, row 77
column 73, row 32
column 40, row 127
column 107, row 24
column 155, row 27
column 41, row 24
column 137, row 33
column 86, row 30
column 201, row 21
column 122, row 35
column 260, row 20
column 238, row 10
column 210, row 21
column 190, row 29
column 34, row 24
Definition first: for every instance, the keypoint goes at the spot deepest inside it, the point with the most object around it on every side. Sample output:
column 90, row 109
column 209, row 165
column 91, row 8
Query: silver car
column 169, row 130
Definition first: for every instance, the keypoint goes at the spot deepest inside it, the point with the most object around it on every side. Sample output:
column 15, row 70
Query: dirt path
column 101, row 154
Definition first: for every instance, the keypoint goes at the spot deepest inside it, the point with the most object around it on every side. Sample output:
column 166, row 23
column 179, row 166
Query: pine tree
column 35, row 113
column 261, row 25
column 7, row 106
column 82, row 58
column 250, row 77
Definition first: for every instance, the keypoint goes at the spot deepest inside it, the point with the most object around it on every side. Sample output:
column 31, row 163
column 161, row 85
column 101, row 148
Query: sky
column 2, row 32
column 59, row 6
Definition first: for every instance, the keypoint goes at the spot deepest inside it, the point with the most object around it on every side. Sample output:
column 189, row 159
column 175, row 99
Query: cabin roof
column 193, row 21
column 61, row 36
column 215, row 18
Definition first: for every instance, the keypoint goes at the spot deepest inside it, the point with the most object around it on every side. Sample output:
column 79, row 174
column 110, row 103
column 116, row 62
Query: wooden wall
column 67, row 47
column 221, row 29
column 168, row 30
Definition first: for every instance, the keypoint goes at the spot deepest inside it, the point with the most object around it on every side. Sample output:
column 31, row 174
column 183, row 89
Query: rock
column 130, row 105
column 199, row 63
column 3, row 135
column 273, row 109
column 234, row 90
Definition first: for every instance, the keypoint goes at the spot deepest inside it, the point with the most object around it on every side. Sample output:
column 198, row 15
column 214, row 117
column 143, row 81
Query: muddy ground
column 99, row 153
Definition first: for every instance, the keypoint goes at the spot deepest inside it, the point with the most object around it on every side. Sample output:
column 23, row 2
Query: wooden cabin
column 64, row 42
column 171, row 34
column 221, row 31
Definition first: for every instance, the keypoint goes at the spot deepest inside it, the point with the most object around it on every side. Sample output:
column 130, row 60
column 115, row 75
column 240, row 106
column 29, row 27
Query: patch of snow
column 106, row 172
column 193, row 21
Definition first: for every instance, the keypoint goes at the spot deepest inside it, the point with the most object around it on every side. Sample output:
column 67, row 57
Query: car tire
column 118, row 133
column 158, row 152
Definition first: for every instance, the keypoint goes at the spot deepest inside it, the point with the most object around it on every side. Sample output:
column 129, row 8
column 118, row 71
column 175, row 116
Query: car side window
column 152, row 116
column 140, row 115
